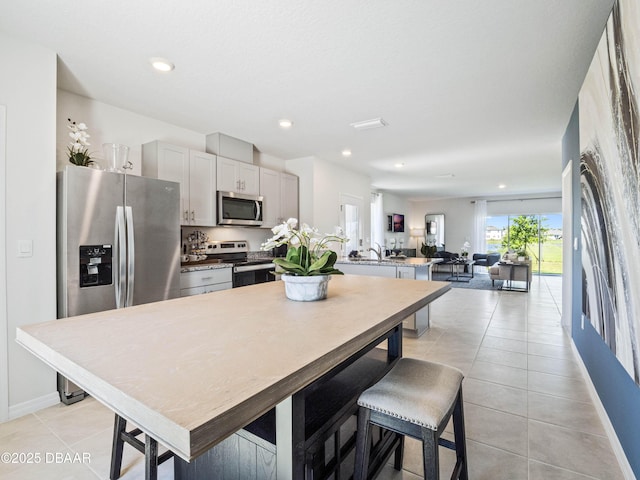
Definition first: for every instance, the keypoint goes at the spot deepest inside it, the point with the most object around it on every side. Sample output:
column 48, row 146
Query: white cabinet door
column 227, row 179
column 248, row 178
column 169, row 162
column 388, row 271
column 205, row 281
column 270, row 190
column 406, row 272
column 238, row 177
column 202, row 189
column 196, row 173
column 289, row 203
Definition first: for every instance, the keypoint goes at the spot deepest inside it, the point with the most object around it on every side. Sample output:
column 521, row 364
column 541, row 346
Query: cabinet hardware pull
column 193, row 215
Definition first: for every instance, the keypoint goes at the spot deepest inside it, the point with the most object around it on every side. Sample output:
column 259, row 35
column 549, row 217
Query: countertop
column 191, row 371
column 196, row 266
column 404, row 262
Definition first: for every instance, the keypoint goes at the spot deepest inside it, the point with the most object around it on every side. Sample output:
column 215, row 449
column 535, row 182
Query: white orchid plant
column 307, row 250
column 465, row 249
column 77, row 149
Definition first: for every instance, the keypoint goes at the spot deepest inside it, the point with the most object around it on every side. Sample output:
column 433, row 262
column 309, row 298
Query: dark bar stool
column 416, row 398
column 149, row 449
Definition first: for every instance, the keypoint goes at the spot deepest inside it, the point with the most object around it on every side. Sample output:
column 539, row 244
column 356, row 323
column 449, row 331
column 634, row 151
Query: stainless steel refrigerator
column 118, row 245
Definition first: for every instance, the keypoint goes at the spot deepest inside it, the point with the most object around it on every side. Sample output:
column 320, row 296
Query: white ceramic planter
column 306, row 289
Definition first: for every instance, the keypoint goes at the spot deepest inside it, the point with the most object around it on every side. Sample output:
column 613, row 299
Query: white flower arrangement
column 465, row 249
column 306, row 252
column 77, row 149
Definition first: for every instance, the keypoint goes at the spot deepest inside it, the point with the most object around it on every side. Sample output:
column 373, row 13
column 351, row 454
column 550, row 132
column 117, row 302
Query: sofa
column 503, row 271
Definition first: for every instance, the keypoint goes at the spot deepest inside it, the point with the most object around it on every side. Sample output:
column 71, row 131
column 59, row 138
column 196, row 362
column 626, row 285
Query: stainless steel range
column 246, row 271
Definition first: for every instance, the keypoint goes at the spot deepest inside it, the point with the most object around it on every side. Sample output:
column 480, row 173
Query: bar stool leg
column 120, row 424
column 459, row 435
column 430, row 457
column 150, row 458
column 399, row 454
column 363, row 444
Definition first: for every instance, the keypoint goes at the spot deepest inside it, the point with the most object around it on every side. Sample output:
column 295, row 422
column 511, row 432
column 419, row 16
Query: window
column 540, row 236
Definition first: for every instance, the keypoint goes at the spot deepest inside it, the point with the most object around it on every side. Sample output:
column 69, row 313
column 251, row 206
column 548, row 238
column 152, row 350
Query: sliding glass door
column 538, row 237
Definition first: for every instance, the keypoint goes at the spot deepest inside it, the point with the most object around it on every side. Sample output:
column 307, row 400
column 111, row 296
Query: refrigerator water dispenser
column 95, row 265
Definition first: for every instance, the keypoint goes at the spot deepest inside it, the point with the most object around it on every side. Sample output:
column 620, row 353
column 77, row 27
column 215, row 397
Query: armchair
column 505, row 271
column 485, row 259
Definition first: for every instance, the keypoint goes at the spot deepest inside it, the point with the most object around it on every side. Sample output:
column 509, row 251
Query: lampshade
column 417, row 232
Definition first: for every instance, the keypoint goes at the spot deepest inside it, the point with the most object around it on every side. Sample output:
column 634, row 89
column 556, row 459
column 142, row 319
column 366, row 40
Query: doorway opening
column 351, row 222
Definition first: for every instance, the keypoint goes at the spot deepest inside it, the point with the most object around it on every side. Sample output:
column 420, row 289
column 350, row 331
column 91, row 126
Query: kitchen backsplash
column 254, row 236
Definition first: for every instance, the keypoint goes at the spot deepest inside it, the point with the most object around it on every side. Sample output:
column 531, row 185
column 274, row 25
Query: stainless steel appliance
column 246, row 271
column 239, row 209
column 118, row 244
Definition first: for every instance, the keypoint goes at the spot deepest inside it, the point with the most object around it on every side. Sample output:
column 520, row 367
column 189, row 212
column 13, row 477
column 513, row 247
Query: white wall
column 458, row 220
column 109, row 124
column 525, row 206
column 321, row 183
column 394, row 204
column 28, row 89
column 459, row 214
column 303, row 168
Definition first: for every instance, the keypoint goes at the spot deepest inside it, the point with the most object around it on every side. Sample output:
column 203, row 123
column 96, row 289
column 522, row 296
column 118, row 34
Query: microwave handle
column 258, row 210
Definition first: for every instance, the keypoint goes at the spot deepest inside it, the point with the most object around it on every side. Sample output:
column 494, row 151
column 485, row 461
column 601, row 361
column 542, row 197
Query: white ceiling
column 480, row 90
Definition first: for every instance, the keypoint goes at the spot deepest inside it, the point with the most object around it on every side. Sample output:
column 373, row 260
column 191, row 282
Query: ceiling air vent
column 368, row 124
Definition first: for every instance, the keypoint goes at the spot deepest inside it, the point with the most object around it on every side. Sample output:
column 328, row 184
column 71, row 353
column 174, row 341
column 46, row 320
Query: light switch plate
column 25, row 248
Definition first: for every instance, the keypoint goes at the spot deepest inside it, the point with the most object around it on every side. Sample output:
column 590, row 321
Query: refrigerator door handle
column 131, row 252
column 121, row 257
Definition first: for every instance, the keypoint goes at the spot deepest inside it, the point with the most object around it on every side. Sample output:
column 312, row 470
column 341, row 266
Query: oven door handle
column 253, row 268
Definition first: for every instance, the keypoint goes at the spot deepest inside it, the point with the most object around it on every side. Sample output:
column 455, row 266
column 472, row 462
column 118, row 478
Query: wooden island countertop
column 192, row 371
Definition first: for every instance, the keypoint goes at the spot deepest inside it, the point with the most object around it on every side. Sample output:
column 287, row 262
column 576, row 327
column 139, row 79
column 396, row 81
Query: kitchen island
column 396, row 267
column 192, row 371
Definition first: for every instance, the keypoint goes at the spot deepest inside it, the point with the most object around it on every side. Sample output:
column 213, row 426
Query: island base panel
column 326, row 413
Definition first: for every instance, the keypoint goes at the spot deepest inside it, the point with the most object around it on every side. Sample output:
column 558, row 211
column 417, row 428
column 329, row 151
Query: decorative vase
column 306, row 289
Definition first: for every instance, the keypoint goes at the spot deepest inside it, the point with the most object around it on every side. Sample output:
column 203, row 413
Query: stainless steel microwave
column 239, row 209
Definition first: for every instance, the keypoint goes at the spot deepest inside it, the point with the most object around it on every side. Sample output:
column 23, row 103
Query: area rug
column 479, row 281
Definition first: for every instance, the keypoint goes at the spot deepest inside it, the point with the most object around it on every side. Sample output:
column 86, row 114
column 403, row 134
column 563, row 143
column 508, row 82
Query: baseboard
column 34, row 405
column 623, row 462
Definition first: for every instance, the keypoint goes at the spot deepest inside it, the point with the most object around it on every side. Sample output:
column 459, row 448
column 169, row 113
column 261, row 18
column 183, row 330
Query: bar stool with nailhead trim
column 416, row 398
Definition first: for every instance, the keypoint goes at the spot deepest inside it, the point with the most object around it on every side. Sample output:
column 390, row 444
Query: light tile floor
column 527, row 410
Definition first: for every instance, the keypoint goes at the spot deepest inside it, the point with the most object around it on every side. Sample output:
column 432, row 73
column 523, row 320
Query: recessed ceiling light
column 161, row 64
column 284, row 123
column 346, row 152
column 399, row 165
column 367, row 124
column 502, row 185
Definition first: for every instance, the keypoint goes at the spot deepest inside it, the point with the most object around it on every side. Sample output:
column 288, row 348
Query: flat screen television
column 398, row 222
